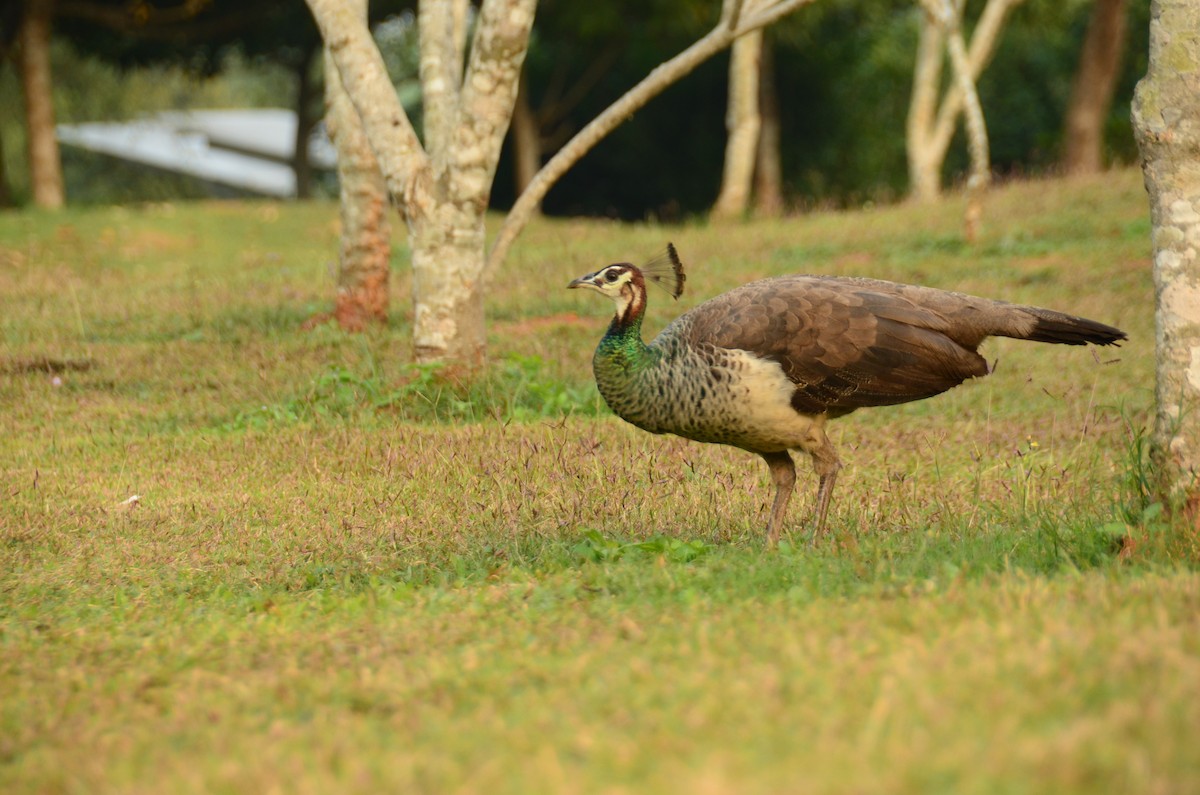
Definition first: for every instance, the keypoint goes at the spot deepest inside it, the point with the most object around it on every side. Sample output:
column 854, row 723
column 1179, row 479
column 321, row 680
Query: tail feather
column 1063, row 329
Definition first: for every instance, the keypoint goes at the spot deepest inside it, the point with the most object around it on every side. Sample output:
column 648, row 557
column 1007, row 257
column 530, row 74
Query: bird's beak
column 582, row 281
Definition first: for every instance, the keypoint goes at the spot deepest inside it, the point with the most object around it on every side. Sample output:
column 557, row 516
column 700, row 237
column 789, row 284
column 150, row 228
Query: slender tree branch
column 977, row 136
column 983, row 45
column 732, row 13
column 948, row 16
column 651, row 86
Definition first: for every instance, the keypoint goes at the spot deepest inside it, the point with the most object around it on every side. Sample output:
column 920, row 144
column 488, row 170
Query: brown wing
column 848, row 343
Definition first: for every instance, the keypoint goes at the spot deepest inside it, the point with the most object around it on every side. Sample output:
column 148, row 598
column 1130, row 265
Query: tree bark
column 768, row 169
column 1166, row 120
column 1093, row 86
column 45, row 164
column 363, row 257
column 404, row 164
column 441, row 77
column 743, row 123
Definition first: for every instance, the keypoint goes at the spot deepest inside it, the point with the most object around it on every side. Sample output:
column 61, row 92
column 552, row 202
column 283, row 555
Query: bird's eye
column 611, row 276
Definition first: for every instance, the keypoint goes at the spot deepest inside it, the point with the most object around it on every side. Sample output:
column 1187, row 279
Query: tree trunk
column 526, row 139
column 442, row 188
column 931, row 123
column 305, row 122
column 6, row 197
column 1092, row 89
column 447, row 261
column 743, row 122
column 363, row 268
column 947, row 16
column 1166, row 120
column 768, row 169
column 977, row 135
column 924, row 167
column 45, row 165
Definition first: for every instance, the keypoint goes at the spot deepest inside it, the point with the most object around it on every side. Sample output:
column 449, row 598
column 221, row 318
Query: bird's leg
column 783, row 475
column 824, row 490
column 826, row 463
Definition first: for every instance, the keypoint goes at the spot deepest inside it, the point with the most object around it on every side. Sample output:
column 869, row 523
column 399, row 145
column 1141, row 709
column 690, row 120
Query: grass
column 347, row 573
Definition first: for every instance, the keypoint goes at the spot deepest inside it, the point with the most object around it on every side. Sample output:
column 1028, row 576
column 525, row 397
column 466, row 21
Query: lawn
column 242, row 551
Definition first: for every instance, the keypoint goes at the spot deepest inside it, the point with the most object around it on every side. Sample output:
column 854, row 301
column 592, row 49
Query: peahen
column 764, row 366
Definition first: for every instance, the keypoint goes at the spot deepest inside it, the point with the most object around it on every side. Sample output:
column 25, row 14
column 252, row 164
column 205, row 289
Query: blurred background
column 835, row 83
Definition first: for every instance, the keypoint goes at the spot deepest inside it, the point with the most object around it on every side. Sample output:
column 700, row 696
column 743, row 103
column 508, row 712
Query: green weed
column 514, row 389
column 596, row 547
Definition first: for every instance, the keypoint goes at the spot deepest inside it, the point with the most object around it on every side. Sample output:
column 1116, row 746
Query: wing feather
column 845, row 343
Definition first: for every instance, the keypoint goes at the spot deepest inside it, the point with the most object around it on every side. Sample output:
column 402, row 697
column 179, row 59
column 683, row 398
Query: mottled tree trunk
column 768, row 168
column 1093, row 86
column 45, row 165
column 442, row 188
column 743, row 123
column 363, row 269
column 1166, row 119
column 447, row 261
column 466, row 123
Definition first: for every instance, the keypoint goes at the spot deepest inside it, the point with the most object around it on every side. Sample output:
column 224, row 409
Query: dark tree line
column 842, row 75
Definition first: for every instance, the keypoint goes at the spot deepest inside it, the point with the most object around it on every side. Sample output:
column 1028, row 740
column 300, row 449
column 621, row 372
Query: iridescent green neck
column 622, row 343
column 622, row 352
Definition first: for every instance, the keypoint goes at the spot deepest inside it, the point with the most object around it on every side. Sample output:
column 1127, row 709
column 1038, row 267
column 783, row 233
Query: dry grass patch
column 345, row 572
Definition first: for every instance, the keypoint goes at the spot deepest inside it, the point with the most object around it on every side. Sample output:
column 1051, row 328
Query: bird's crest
column 666, row 271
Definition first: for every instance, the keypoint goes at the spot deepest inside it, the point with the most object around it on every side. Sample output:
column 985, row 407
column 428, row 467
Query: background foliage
column 843, row 74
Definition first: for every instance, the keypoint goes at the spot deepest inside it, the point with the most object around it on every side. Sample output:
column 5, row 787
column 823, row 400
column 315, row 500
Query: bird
column 765, row 366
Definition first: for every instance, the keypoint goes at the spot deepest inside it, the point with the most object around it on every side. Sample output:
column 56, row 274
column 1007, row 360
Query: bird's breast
column 707, row 394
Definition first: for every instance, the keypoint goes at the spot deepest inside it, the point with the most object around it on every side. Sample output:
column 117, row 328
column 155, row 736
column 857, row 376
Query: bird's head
column 617, row 281
column 625, row 284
